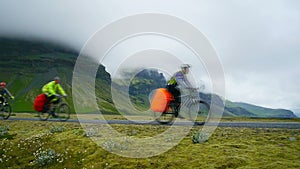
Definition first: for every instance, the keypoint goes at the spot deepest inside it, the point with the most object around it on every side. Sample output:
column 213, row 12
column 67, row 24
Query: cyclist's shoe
column 181, row 117
column 52, row 112
column 54, row 115
column 176, row 114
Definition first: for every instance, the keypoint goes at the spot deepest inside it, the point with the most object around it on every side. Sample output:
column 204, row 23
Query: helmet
column 56, row 78
column 3, row 84
column 185, row 66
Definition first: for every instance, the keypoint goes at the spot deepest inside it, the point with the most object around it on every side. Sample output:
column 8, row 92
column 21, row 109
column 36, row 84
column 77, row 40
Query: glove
column 65, row 95
column 12, row 97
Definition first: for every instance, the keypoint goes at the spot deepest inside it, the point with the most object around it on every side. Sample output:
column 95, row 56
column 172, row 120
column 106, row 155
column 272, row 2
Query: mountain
column 297, row 112
column 27, row 65
column 239, row 109
column 258, row 111
column 142, row 85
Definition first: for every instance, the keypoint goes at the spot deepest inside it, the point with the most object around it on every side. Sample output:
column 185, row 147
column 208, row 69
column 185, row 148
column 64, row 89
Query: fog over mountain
column 257, row 41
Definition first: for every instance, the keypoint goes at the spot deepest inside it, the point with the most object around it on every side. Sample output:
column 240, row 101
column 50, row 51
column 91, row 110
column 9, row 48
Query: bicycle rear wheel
column 63, row 112
column 43, row 115
column 5, row 111
column 165, row 117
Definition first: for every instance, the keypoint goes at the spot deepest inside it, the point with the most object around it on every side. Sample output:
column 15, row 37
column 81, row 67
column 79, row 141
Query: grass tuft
column 200, row 137
column 3, row 130
column 44, row 157
column 57, row 129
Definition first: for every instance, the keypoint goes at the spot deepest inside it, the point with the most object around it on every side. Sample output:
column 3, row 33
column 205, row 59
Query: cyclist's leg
column 1, row 103
column 49, row 102
column 1, row 99
column 54, row 102
column 177, row 100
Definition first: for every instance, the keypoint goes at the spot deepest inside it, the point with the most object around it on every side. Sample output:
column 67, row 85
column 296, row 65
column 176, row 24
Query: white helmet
column 185, row 66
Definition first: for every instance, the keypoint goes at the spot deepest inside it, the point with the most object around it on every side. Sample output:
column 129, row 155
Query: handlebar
column 191, row 89
column 60, row 96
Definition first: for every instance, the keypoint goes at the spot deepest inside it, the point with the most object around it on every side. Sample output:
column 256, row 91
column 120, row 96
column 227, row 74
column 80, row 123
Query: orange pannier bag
column 161, row 99
column 39, row 102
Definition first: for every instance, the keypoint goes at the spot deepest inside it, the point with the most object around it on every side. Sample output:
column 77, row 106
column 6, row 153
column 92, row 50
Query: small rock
column 292, row 139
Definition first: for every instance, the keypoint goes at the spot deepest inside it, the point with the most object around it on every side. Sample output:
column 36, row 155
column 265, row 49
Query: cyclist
column 4, row 92
column 52, row 89
column 177, row 81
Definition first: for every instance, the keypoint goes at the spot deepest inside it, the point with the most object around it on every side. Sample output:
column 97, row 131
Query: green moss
column 226, row 148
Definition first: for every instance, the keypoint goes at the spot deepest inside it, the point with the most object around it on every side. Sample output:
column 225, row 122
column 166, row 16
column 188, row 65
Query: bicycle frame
column 189, row 108
column 62, row 109
column 4, row 100
column 190, row 104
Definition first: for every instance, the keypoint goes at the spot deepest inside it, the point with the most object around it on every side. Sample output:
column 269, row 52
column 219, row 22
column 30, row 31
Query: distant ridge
column 27, row 65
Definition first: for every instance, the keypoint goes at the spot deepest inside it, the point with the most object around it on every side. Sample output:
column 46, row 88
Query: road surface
column 288, row 125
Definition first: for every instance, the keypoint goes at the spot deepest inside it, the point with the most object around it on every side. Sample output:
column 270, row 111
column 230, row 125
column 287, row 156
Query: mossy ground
column 199, row 118
column 226, row 148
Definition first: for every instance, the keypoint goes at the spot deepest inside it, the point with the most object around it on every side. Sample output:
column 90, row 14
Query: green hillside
column 26, row 66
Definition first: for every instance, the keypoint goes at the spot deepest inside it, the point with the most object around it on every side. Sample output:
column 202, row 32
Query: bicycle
column 191, row 105
column 61, row 109
column 5, row 109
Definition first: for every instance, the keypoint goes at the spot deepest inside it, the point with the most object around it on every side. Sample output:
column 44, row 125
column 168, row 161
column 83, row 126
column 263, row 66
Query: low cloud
column 257, row 41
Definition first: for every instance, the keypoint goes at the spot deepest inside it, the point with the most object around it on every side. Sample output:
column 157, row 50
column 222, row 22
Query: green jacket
column 52, row 88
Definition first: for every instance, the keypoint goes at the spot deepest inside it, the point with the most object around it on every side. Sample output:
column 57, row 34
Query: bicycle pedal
column 54, row 116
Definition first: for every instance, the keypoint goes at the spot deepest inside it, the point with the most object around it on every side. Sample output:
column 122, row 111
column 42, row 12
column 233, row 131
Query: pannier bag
column 39, row 102
column 161, row 99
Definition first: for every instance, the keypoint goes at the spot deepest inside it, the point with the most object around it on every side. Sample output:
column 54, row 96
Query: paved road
column 289, row 125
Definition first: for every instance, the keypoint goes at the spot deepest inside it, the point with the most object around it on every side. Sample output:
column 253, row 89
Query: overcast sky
column 257, row 41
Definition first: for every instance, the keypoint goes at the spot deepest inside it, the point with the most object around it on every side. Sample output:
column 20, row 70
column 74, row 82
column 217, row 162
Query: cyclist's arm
column 187, row 82
column 8, row 93
column 182, row 81
column 61, row 90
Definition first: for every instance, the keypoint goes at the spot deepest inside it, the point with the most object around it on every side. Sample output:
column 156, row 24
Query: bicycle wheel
column 63, row 112
column 5, row 111
column 203, row 107
column 43, row 115
column 165, row 117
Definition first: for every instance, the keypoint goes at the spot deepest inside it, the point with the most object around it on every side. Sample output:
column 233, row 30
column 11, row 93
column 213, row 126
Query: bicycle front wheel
column 6, row 111
column 63, row 112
